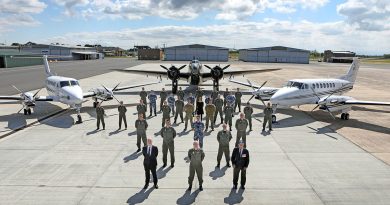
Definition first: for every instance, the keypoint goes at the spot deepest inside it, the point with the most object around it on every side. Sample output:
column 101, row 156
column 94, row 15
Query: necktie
column 240, row 152
column 150, row 151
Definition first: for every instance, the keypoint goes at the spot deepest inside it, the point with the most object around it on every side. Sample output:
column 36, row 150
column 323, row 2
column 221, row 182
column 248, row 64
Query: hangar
column 12, row 58
column 63, row 52
column 197, row 51
column 274, row 54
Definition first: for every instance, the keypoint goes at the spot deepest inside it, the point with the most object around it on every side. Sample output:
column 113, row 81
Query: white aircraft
column 325, row 93
column 66, row 90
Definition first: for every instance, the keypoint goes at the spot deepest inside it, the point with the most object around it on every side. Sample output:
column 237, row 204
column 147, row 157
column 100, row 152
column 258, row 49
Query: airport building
column 11, row 56
column 62, row 52
column 274, row 54
column 196, row 51
column 338, row 56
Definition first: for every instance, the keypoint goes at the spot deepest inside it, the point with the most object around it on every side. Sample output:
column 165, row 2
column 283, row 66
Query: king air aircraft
column 195, row 75
column 325, row 93
column 67, row 91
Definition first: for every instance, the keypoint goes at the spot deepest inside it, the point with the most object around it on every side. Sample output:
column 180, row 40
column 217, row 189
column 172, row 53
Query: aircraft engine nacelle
column 173, row 73
column 28, row 99
column 217, row 73
column 335, row 103
column 103, row 94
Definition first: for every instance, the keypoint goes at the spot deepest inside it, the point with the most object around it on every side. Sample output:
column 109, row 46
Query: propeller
column 325, row 106
column 23, row 94
column 254, row 91
column 109, row 91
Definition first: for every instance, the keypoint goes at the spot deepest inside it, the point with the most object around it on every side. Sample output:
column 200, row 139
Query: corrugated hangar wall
column 277, row 54
column 200, row 52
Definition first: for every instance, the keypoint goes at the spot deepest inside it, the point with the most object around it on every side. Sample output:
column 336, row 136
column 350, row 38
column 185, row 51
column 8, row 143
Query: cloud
column 303, row 34
column 69, row 5
column 370, row 15
column 19, row 13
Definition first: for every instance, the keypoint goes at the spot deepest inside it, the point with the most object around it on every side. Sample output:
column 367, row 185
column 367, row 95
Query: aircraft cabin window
column 334, row 85
column 318, row 86
column 306, row 86
column 313, row 86
column 327, row 85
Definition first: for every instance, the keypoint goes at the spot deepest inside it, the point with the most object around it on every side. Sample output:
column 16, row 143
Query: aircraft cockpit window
column 295, row 84
column 73, row 82
column 306, row 86
column 68, row 83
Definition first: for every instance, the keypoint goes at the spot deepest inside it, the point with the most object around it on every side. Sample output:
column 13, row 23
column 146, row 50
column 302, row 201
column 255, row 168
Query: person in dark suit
column 150, row 153
column 199, row 107
column 240, row 161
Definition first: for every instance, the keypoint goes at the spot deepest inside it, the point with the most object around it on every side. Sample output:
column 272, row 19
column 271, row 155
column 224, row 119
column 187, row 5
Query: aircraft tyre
column 25, row 111
column 95, row 104
column 29, row 111
column 79, row 119
column 174, row 87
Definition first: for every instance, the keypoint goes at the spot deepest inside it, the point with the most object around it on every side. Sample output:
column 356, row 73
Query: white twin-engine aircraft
column 325, row 93
column 67, row 91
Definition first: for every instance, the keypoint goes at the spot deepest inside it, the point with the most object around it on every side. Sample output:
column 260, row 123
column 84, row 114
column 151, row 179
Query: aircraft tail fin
column 352, row 72
column 47, row 68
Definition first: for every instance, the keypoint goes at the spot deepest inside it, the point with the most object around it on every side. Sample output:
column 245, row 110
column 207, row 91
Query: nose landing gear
column 345, row 116
column 27, row 111
column 79, row 119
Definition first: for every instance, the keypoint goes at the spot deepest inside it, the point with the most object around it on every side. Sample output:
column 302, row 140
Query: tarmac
column 303, row 161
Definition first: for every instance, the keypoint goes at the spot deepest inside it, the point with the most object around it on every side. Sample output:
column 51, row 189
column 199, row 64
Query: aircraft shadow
column 369, row 109
column 218, row 173
column 235, row 197
column 140, row 196
column 187, row 198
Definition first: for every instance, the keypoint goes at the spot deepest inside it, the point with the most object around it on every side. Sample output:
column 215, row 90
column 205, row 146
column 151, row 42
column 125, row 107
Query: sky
column 362, row 26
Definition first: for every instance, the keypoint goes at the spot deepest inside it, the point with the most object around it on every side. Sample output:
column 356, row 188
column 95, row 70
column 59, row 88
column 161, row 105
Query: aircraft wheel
column 343, row 116
column 95, row 104
column 29, row 111
column 25, row 111
column 346, row 116
column 79, row 119
column 174, row 87
column 273, row 118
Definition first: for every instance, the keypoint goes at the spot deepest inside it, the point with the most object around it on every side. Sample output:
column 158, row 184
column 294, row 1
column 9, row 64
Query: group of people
column 215, row 106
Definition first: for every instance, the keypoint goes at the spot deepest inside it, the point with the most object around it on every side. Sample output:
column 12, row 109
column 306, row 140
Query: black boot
column 200, row 187
column 189, row 188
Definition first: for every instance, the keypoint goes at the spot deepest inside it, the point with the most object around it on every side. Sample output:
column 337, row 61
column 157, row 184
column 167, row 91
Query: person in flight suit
column 228, row 115
column 241, row 125
column 224, row 136
column 188, row 109
column 150, row 153
column 141, row 125
column 180, row 94
column 168, row 134
column 166, row 110
column 100, row 116
column 179, row 108
column 141, row 108
column 198, row 127
column 210, row 111
column 248, row 111
column 268, row 117
column 171, row 103
column 143, row 94
column 240, row 162
column 225, row 94
column 237, row 103
column 122, row 115
column 196, row 156
column 152, row 103
column 163, row 97
column 218, row 109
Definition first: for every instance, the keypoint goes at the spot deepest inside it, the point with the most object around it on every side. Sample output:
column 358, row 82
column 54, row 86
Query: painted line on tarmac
column 32, row 123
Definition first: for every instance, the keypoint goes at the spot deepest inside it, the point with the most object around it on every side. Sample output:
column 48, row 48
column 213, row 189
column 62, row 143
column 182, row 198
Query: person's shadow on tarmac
column 235, row 197
column 161, row 172
column 218, row 173
column 140, row 196
column 187, row 198
column 131, row 157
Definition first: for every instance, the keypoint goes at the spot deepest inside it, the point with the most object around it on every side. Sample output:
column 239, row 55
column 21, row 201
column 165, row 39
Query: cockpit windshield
column 195, row 61
column 69, row 83
column 294, row 84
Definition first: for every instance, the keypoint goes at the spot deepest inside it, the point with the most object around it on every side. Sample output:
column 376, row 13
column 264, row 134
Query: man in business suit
column 150, row 153
column 240, row 161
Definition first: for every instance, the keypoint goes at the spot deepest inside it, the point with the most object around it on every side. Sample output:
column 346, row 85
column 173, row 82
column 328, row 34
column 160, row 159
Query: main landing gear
column 273, row 119
column 79, row 119
column 27, row 111
column 345, row 116
column 174, row 86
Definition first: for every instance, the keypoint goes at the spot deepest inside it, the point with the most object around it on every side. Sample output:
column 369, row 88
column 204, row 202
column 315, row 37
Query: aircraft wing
column 44, row 98
column 11, row 98
column 89, row 94
column 360, row 102
column 240, row 72
column 152, row 73
column 134, row 86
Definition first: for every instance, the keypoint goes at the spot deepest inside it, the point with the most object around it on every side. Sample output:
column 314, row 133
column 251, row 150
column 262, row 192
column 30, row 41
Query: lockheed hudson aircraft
column 65, row 90
column 195, row 75
column 325, row 93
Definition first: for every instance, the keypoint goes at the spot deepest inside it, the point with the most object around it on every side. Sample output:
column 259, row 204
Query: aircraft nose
column 76, row 97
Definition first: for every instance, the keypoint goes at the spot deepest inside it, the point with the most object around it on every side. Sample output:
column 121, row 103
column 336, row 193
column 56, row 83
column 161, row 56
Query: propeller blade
column 21, row 109
column 115, row 98
column 261, row 99
column 115, row 87
column 262, row 85
column 181, row 67
column 225, row 67
column 330, row 112
column 105, row 88
column 315, row 107
column 208, row 67
column 250, row 83
column 36, row 93
column 164, row 67
column 17, row 89
column 315, row 93
column 251, row 98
